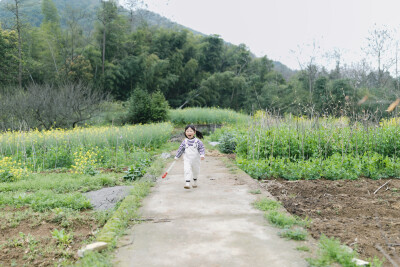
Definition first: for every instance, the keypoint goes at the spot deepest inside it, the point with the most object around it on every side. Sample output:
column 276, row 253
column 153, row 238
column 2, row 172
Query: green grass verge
column 297, row 234
column 126, row 211
column 303, row 248
column 282, row 220
column 95, row 259
column 267, row 204
column 63, row 182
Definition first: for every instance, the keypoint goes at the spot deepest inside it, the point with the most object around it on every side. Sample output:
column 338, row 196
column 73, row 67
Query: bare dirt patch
column 348, row 210
column 30, row 243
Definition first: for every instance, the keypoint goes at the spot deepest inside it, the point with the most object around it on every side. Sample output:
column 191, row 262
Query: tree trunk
column 104, row 36
column 104, row 47
column 19, row 44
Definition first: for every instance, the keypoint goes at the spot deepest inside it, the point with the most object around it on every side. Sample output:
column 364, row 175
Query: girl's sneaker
column 194, row 183
column 187, row 185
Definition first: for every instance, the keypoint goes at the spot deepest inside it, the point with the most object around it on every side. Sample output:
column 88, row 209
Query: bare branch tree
column 45, row 106
column 379, row 47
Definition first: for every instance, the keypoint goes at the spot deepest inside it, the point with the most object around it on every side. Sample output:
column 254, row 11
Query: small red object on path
column 169, row 168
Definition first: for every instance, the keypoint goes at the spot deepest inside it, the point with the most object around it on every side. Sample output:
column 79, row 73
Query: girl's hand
column 202, row 158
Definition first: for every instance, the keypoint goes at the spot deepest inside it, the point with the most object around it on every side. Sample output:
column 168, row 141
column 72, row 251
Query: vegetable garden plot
column 348, row 210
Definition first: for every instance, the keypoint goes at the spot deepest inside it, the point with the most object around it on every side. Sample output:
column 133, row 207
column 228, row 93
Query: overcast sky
column 284, row 29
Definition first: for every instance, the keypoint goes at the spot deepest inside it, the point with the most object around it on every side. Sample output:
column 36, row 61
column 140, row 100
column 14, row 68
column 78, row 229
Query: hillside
column 283, row 69
column 31, row 13
column 31, row 10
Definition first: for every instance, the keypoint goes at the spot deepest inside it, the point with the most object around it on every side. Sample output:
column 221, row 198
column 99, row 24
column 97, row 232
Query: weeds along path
column 212, row 225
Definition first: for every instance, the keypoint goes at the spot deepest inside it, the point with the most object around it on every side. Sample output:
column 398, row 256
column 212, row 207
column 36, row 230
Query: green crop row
column 81, row 149
column 303, row 141
column 335, row 167
column 298, row 148
column 206, row 116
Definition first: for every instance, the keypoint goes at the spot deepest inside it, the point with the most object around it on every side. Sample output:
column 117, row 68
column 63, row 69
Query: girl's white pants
column 191, row 163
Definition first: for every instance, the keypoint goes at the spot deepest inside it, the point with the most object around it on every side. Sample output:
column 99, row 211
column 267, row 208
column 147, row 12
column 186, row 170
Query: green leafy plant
column 85, row 162
column 62, row 237
column 10, row 170
column 227, row 143
column 22, row 240
column 137, row 170
column 330, row 251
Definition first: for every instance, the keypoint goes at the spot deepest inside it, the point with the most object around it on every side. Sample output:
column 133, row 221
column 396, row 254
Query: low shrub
column 145, row 108
column 227, row 143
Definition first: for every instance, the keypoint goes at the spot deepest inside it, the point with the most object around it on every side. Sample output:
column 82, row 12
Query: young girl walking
column 193, row 150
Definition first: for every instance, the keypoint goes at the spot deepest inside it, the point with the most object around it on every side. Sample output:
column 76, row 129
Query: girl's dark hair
column 198, row 133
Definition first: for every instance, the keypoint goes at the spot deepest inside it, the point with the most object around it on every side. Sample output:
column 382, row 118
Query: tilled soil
column 348, row 210
column 30, row 242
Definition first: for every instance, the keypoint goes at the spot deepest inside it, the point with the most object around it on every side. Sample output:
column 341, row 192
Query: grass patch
column 267, row 204
column 297, row 234
column 45, row 200
column 303, row 248
column 63, row 182
column 331, row 251
column 282, row 220
column 255, row 192
column 167, row 147
column 95, row 259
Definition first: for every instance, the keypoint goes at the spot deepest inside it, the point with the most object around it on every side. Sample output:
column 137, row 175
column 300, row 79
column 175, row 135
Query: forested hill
column 32, row 13
column 98, row 44
column 31, row 10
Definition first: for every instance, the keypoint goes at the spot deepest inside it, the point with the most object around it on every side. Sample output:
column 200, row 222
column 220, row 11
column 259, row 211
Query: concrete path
column 212, row 225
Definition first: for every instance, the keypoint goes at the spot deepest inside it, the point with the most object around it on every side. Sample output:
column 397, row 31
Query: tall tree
column 51, row 35
column 379, row 47
column 15, row 9
column 107, row 14
column 211, row 54
column 8, row 56
column 74, row 33
column 50, row 12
